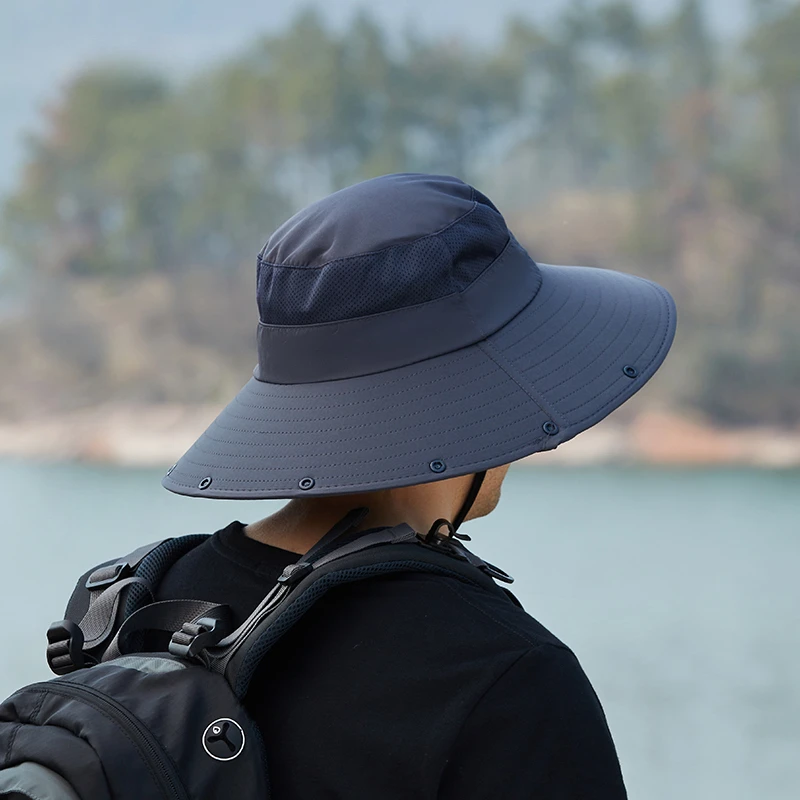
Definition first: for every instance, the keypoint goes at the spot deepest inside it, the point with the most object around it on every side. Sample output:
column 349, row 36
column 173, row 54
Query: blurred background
column 147, row 150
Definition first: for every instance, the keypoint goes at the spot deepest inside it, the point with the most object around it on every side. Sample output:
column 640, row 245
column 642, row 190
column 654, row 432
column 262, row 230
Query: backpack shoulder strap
column 105, row 596
column 384, row 552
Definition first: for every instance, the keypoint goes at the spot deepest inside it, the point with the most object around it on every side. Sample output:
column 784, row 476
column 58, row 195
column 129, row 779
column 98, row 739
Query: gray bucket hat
column 405, row 336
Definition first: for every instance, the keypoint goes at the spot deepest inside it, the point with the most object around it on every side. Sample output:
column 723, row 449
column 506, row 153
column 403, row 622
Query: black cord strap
column 469, row 500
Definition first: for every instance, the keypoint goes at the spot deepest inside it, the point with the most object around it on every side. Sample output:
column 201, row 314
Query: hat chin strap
column 469, row 500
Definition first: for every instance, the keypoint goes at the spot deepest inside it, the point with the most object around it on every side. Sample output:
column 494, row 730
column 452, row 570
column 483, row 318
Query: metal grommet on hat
column 205, row 483
column 400, row 317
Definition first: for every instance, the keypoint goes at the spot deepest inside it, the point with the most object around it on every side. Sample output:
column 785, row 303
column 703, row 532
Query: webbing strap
column 166, row 615
column 239, row 660
column 106, row 574
column 396, row 535
column 349, row 521
column 104, row 597
column 100, row 618
column 319, row 556
column 107, row 585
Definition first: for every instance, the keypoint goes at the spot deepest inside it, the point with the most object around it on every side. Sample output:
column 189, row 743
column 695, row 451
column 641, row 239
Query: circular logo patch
column 223, row 739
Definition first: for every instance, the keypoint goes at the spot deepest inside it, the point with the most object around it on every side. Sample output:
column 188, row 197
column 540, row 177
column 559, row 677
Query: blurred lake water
column 678, row 590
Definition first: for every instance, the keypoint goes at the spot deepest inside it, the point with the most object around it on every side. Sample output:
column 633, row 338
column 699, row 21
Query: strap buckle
column 194, row 637
column 65, row 647
column 449, row 542
column 111, row 573
column 295, row 572
column 495, row 572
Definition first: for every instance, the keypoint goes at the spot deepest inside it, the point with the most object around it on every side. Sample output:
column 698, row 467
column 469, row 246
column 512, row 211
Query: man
column 409, row 350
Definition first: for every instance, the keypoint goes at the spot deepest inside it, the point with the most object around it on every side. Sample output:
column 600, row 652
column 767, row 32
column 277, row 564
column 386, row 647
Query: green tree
column 628, row 97
column 692, row 108
column 773, row 48
column 76, row 207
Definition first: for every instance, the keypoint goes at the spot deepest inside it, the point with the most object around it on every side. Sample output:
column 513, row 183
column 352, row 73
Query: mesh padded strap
column 243, row 652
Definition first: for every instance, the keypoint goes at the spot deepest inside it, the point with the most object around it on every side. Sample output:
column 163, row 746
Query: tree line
column 131, row 172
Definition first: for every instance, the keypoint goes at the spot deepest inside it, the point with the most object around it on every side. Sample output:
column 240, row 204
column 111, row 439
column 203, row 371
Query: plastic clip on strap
column 194, row 637
column 449, row 543
column 110, row 573
column 70, row 643
column 65, row 647
column 169, row 616
column 294, row 573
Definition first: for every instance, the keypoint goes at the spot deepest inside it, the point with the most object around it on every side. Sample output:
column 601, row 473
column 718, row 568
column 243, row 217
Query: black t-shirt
column 410, row 686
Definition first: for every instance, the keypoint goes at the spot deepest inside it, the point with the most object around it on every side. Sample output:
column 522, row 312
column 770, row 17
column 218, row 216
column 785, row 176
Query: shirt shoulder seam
column 533, row 643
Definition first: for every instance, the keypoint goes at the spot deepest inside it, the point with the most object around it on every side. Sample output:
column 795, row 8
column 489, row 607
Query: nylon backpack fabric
column 405, row 336
column 132, row 728
column 164, row 725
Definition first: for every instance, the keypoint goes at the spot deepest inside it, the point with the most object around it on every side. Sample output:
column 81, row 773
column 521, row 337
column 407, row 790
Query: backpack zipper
column 150, row 749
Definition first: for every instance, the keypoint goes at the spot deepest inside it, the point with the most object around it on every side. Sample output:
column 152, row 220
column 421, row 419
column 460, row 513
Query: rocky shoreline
column 155, row 436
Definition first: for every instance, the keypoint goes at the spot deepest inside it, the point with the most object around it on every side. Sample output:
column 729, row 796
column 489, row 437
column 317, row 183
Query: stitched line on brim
column 565, row 364
column 300, row 434
column 256, row 456
column 596, row 334
column 373, row 399
column 606, row 370
column 512, row 456
column 623, row 382
column 655, row 358
column 554, row 334
column 502, row 363
column 666, row 307
column 539, row 302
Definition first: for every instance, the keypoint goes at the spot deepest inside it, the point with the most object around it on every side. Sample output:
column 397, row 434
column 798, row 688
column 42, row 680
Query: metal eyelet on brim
column 437, row 465
column 204, row 484
column 550, row 428
column 630, row 372
column 306, row 483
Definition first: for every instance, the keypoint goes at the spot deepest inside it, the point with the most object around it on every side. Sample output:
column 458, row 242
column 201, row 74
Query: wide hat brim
column 588, row 341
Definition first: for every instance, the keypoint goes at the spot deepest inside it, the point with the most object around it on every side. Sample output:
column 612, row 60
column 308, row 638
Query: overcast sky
column 43, row 42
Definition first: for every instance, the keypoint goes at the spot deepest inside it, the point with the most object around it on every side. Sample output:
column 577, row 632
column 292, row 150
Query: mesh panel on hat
column 397, row 277
column 474, row 243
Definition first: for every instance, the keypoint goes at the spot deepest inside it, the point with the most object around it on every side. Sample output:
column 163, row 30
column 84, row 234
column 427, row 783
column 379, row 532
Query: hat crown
column 384, row 244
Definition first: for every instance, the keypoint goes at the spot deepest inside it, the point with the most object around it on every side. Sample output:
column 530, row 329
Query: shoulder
column 497, row 612
column 477, row 613
column 538, row 728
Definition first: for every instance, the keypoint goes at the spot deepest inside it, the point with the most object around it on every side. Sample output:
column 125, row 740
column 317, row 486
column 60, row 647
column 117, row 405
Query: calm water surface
column 678, row 591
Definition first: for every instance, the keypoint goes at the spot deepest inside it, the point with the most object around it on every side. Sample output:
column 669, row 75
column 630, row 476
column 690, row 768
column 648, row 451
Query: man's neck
column 301, row 523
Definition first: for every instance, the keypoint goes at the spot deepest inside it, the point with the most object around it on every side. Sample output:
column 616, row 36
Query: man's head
column 407, row 338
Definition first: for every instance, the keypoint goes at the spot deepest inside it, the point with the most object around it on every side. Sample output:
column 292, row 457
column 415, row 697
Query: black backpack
column 171, row 724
